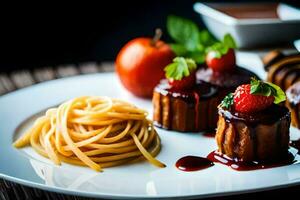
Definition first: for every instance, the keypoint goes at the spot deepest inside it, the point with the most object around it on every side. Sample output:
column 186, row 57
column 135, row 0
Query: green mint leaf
column 221, row 48
column 197, row 56
column 229, row 42
column 206, row 39
column 181, row 67
column 267, row 89
column 218, row 48
column 183, row 31
column 179, row 49
column 279, row 94
column 227, row 101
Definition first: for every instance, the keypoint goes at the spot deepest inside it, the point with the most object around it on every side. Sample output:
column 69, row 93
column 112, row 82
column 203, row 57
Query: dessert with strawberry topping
column 183, row 103
column 252, row 126
column 221, row 69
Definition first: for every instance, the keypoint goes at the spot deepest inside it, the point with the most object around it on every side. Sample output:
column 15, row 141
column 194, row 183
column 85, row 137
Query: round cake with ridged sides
column 190, row 110
column 252, row 126
column 182, row 103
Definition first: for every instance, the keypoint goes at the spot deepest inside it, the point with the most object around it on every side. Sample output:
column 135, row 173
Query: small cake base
column 254, row 137
column 190, row 110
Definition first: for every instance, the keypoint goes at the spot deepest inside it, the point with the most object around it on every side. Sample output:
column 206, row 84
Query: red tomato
column 225, row 63
column 140, row 65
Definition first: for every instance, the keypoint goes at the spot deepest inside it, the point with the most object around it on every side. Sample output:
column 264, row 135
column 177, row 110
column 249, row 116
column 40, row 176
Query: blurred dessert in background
column 226, row 81
column 293, row 103
column 221, row 70
column 283, row 70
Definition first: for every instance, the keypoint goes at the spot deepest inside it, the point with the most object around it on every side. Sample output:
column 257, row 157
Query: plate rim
column 81, row 193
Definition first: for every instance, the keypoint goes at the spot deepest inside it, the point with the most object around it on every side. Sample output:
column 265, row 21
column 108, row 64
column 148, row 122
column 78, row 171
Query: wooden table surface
column 24, row 78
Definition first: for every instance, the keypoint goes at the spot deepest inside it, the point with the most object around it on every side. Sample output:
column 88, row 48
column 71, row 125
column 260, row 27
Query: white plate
column 140, row 180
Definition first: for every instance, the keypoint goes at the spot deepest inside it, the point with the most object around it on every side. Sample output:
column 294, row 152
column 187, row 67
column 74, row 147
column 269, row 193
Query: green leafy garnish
column 267, row 89
column 180, row 68
column 227, row 101
column 190, row 42
column 222, row 47
column 183, row 31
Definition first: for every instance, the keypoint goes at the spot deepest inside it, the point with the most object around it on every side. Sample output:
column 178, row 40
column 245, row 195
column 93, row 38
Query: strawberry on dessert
column 181, row 73
column 221, row 69
column 245, row 101
column 252, row 126
column 221, row 55
column 224, row 62
column 183, row 104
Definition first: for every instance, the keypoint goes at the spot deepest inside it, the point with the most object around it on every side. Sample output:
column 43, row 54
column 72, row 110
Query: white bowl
column 252, row 32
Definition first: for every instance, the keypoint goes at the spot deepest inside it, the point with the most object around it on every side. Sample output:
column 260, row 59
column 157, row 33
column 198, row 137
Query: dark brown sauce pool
column 193, row 163
column 250, row 10
column 239, row 165
column 209, row 134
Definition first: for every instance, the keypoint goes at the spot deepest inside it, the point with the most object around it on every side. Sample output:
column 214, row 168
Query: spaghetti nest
column 94, row 131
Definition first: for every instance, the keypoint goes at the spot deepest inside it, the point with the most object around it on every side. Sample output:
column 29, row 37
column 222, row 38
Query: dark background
column 48, row 35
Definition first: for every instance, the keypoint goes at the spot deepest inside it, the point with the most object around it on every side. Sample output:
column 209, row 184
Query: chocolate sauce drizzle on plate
column 239, row 165
column 209, row 134
column 193, row 163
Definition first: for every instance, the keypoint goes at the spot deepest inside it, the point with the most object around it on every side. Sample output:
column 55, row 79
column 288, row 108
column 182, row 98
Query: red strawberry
column 184, row 83
column 225, row 63
column 246, row 102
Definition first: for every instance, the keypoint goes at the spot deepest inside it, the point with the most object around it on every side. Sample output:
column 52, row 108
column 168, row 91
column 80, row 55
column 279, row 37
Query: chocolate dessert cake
column 252, row 126
column 193, row 109
column 254, row 136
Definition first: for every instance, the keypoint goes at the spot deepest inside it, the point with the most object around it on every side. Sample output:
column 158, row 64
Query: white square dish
column 251, row 32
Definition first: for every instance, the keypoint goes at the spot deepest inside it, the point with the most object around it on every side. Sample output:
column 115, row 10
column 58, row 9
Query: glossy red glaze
column 193, row 163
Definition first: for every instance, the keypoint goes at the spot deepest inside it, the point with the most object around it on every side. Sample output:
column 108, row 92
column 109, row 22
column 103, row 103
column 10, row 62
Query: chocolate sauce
column 239, row 165
column 183, row 109
column 228, row 79
column 209, row 134
column 202, row 89
column 193, row 163
column 250, row 10
column 196, row 110
column 270, row 115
